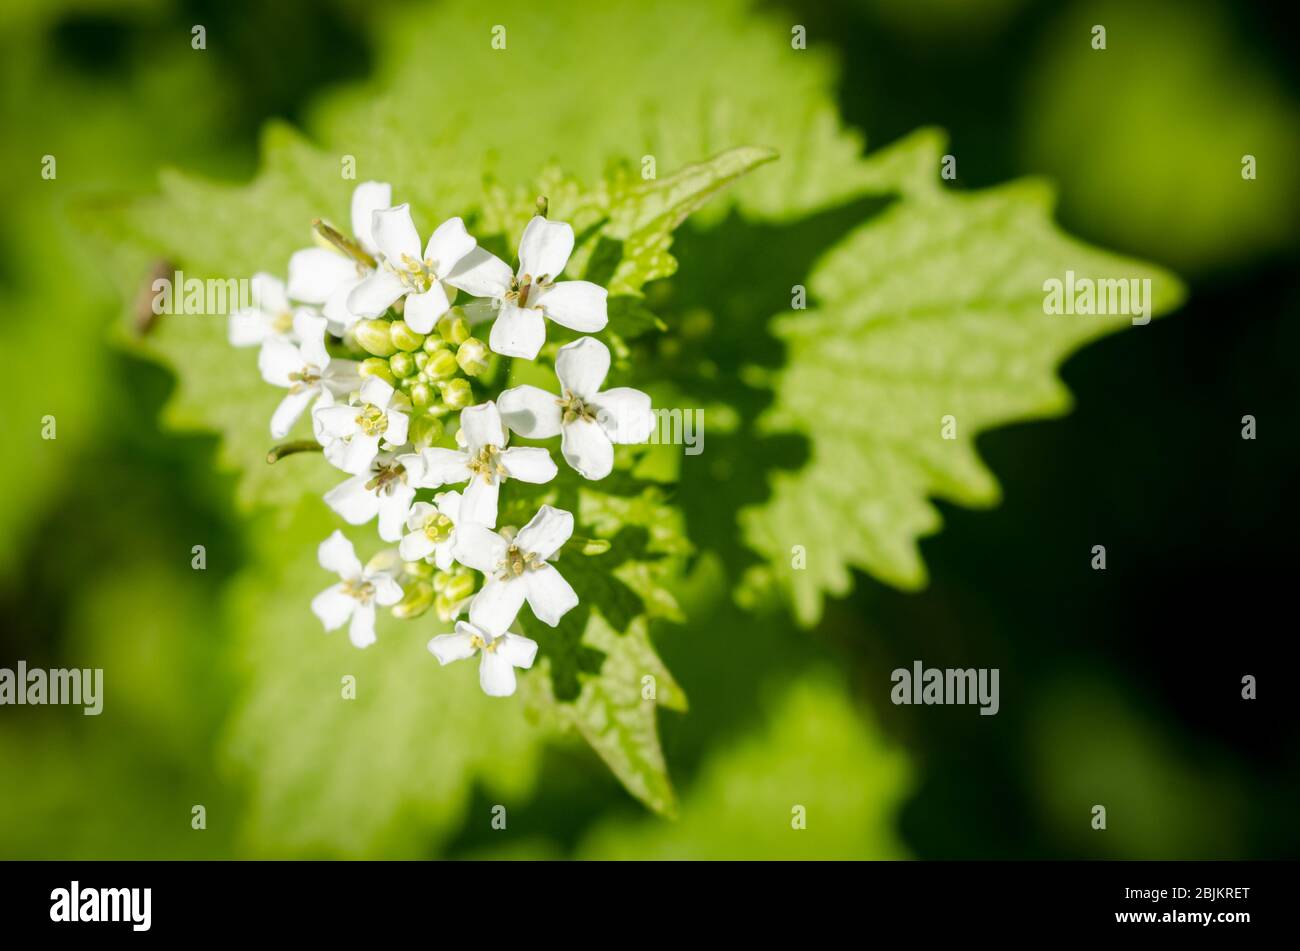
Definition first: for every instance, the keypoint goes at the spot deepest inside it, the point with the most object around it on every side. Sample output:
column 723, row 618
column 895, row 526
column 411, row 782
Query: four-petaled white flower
column 484, row 463
column 352, row 433
column 404, row 272
column 382, row 490
column 432, row 530
column 325, row 276
column 517, row 569
column 524, row 299
column 356, row 595
column 590, row 420
column 304, row 369
column 270, row 314
column 500, row 655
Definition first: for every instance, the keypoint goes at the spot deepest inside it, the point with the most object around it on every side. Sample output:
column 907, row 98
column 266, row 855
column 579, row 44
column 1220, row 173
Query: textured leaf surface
column 934, row 308
column 815, row 754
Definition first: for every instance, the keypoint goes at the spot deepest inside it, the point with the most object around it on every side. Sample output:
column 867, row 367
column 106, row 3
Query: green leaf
column 603, row 678
column 934, row 308
column 389, row 773
column 815, row 754
column 579, row 83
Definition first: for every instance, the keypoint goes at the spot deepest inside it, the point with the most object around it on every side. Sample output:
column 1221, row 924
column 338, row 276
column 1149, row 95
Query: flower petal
column 479, row 503
column 423, row 310
column 367, row 198
column 449, row 505
column 376, row 392
column 495, row 607
column 549, row 595
column 394, row 507
column 453, row 647
column 530, row 411
column 416, row 546
column 440, row 467
column 353, row 501
column 359, row 454
column 578, row 305
column 481, row 425
column 478, row 547
column 549, row 529
column 248, row 328
column 268, row 293
column 480, row 273
column 496, row 676
column 315, row 273
column 517, row 332
column 545, row 248
column 448, row 244
column 361, row 632
column 335, row 421
column 277, row 359
column 310, row 329
column 582, row 366
column 387, row 591
column 625, row 415
column 375, row 294
column 519, row 650
column 291, row 407
column 336, row 307
column 442, row 557
column 529, row 464
column 333, row 606
column 336, row 554
column 395, row 235
column 586, row 447
column 398, row 426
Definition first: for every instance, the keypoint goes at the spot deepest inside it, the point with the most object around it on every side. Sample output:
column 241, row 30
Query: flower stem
column 344, row 243
column 290, row 448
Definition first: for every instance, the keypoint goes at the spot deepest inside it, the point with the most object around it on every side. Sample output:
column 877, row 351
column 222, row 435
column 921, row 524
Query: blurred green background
column 1119, row 687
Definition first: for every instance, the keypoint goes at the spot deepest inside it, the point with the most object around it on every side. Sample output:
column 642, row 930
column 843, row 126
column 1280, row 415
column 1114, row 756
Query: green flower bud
column 373, row 337
column 453, row 328
column 433, row 343
column 459, row 587
column 472, row 355
column 418, row 569
column 421, row 395
column 457, row 393
column 425, row 430
column 402, row 364
column 403, row 337
column 441, row 365
column 421, row 358
column 377, row 366
column 417, row 600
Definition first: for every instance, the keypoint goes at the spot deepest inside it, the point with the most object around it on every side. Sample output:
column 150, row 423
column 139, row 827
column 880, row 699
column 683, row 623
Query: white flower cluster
column 365, row 334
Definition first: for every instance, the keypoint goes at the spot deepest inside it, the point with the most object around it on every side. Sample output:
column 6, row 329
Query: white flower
column 523, row 299
column 325, row 276
column 270, row 316
column 591, row 420
column 382, row 491
column 353, row 433
column 500, row 655
column 355, row 596
column 405, row 273
column 304, row 369
column 484, row 463
column 432, row 530
column 517, row 569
